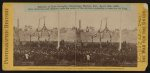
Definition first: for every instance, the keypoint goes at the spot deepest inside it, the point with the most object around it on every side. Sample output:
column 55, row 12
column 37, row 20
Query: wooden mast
column 58, row 39
column 120, row 39
column 100, row 38
column 18, row 30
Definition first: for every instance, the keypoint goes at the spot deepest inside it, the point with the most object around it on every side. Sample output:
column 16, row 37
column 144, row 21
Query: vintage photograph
column 75, row 37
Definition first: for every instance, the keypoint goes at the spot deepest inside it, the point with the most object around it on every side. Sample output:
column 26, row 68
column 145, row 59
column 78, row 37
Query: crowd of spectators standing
column 75, row 54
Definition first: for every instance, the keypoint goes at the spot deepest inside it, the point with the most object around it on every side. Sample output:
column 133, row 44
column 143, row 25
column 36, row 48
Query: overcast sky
column 127, row 19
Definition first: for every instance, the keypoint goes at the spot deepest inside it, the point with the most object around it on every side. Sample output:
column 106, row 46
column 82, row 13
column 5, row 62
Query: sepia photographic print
column 75, row 38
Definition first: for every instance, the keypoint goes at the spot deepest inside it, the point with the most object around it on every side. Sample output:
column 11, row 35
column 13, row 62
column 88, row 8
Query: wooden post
column 120, row 35
column 58, row 39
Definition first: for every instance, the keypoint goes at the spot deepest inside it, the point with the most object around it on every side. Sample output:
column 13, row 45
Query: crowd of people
column 74, row 54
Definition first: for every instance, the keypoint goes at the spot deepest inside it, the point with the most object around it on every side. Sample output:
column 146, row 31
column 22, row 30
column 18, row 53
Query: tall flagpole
column 18, row 30
column 58, row 39
column 38, row 30
column 120, row 39
column 75, row 40
column 100, row 39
